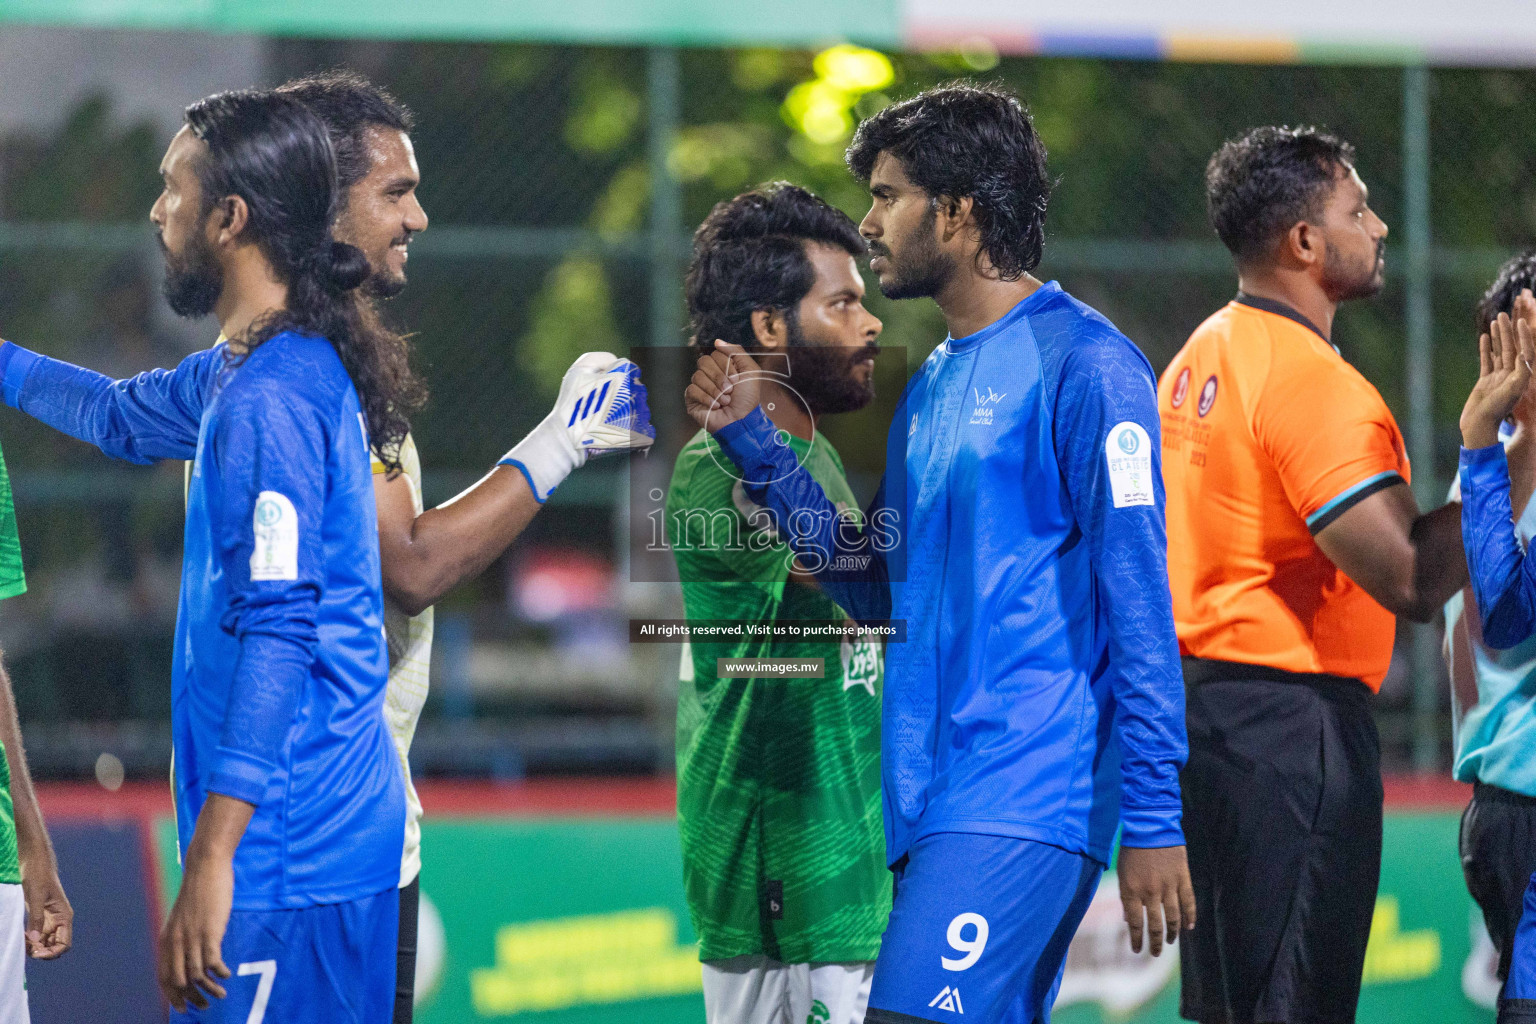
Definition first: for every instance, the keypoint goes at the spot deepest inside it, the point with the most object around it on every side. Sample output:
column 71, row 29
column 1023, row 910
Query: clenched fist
column 724, row 388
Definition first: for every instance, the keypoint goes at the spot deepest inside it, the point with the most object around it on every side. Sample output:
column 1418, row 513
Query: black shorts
column 1282, row 814
column 1498, row 856
column 405, row 958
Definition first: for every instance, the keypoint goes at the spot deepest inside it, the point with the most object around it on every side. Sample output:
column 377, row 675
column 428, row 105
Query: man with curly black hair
column 1036, row 704
column 1294, row 541
column 778, row 779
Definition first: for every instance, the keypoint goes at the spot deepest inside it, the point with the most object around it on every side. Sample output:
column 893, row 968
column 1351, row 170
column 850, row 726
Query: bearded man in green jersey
column 778, row 778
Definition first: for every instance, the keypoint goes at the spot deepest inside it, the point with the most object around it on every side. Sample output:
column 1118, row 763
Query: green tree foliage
column 88, row 169
column 517, row 136
column 545, row 136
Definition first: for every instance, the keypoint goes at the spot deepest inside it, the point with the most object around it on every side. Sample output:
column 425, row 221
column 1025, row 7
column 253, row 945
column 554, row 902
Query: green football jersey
column 778, row 779
column 10, row 861
column 12, row 582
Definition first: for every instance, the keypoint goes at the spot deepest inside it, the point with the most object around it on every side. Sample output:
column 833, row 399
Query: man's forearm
column 1440, row 561
column 141, row 419
column 264, row 697
column 31, row 834
column 457, row 540
column 220, row 826
column 847, row 556
column 1131, row 575
column 1409, row 562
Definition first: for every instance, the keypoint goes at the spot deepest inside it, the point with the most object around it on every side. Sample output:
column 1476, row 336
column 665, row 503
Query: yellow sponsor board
column 581, row 961
column 1395, row 955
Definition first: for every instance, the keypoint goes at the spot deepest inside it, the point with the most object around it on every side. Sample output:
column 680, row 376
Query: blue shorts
column 979, row 930
column 331, row 964
column 1518, row 1000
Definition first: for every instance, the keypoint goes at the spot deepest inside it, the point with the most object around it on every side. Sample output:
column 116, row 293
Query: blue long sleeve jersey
column 1019, row 533
column 280, row 662
column 1503, row 575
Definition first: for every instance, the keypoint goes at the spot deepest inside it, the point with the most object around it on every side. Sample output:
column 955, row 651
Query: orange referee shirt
column 1269, row 436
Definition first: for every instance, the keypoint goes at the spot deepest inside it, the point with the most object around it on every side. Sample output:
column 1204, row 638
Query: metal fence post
column 665, row 365
column 1420, row 379
column 664, row 94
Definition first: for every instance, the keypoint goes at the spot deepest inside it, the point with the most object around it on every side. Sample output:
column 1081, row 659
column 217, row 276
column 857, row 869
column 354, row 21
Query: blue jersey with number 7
column 280, row 664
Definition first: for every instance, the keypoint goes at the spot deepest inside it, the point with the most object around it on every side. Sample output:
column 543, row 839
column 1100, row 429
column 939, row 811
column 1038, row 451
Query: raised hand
column 601, row 408
column 1505, row 356
column 607, row 406
column 1525, row 309
column 724, row 388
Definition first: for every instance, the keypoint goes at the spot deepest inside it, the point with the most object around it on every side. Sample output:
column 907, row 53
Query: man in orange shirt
column 1293, row 542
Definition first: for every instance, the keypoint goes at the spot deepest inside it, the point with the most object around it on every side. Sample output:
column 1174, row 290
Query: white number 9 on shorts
column 973, row 948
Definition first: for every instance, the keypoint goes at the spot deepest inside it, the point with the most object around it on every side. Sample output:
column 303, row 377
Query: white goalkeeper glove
column 601, row 409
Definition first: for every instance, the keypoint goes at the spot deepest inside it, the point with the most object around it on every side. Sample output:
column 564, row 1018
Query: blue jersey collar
column 1025, row 307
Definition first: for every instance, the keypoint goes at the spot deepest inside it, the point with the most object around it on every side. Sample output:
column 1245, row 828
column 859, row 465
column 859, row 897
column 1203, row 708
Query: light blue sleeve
column 1107, row 386
column 270, row 445
column 153, row 416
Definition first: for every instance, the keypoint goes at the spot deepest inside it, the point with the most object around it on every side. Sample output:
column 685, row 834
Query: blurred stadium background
column 567, row 151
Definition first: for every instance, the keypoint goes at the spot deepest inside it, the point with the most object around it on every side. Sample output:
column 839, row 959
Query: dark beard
column 922, row 271
column 823, row 374
column 383, row 286
column 1342, row 283
column 193, row 281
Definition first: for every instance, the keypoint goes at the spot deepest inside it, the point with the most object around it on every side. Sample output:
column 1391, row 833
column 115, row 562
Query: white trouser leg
column 757, row 990
column 747, row 990
column 831, row 993
column 13, row 956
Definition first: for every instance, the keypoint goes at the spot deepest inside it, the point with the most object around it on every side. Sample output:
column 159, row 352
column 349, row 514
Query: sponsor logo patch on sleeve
column 276, row 525
column 1128, row 451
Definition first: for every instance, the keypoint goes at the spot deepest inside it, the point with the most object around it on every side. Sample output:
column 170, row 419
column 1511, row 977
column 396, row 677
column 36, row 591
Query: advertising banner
column 581, row 920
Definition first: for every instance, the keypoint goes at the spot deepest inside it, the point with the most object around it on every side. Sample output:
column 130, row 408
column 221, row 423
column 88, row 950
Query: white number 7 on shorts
column 971, row 949
column 268, row 971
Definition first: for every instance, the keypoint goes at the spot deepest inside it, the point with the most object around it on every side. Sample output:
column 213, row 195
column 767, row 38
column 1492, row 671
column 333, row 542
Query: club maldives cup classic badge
column 1128, row 451
column 1180, row 388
